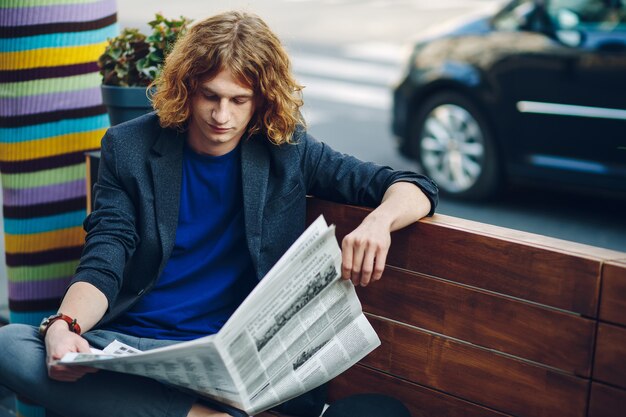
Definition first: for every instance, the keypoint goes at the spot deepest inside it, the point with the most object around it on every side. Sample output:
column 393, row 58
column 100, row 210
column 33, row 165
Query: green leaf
column 132, row 58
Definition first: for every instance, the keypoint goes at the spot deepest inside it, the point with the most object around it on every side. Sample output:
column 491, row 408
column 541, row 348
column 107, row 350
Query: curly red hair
column 245, row 45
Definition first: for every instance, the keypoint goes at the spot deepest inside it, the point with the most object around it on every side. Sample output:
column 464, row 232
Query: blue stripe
column 29, row 410
column 47, row 130
column 44, row 224
column 29, row 317
column 56, row 40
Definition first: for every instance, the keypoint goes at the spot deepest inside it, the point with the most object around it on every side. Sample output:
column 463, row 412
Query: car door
column 569, row 97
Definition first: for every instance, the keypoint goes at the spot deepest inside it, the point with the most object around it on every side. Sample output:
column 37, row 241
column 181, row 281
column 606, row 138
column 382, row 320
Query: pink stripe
column 26, row 16
column 38, row 290
column 45, row 194
column 43, row 103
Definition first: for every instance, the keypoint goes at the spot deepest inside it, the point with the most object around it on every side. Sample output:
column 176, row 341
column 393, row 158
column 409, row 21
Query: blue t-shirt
column 210, row 271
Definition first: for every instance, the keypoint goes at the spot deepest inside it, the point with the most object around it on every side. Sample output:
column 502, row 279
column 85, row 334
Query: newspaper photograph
column 300, row 327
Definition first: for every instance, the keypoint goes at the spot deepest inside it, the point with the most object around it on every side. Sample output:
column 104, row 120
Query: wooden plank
column 606, row 401
column 511, row 266
column 529, row 238
column 613, row 299
column 421, row 401
column 547, row 336
column 610, row 357
column 478, row 375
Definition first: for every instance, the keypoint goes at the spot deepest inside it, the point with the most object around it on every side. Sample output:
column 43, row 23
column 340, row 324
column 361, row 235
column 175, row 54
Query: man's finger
column 346, row 258
column 381, row 260
column 357, row 261
column 69, row 373
column 367, row 268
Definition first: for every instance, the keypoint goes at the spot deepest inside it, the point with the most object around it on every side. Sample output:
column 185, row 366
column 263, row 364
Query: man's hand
column 59, row 341
column 364, row 252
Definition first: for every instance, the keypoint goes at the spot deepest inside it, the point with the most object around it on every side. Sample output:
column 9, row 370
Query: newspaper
column 300, row 327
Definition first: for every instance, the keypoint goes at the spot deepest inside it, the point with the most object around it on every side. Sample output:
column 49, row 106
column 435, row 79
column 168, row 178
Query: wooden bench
column 478, row 320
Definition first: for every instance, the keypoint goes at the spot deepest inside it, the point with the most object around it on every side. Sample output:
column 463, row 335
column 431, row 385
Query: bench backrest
column 478, row 320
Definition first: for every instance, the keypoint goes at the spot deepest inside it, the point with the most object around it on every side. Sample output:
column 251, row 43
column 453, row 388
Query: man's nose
column 220, row 113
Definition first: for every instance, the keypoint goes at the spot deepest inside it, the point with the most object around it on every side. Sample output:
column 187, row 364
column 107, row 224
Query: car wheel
column 455, row 148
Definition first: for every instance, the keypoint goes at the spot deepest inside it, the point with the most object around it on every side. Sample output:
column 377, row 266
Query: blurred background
column 514, row 155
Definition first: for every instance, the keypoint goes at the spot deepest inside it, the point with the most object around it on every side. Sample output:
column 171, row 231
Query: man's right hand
column 59, row 341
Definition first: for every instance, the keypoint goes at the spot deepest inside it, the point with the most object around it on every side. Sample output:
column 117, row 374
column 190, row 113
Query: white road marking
column 348, row 93
column 387, row 52
column 345, row 69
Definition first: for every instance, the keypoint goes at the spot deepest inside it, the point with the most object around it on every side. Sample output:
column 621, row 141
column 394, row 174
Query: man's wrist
column 48, row 322
column 379, row 218
column 57, row 326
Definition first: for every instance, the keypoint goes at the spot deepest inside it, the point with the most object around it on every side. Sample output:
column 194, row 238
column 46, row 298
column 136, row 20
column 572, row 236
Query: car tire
column 455, row 147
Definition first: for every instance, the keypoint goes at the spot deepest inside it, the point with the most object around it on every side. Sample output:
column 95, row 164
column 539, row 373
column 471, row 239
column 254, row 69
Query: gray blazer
column 131, row 231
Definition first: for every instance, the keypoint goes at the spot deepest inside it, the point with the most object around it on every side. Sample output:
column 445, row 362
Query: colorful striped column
column 51, row 113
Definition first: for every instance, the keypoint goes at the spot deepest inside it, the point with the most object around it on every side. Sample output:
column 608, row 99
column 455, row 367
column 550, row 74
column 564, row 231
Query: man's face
column 221, row 109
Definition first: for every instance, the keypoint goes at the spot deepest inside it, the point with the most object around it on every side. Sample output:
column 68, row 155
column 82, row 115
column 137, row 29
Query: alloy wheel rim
column 452, row 148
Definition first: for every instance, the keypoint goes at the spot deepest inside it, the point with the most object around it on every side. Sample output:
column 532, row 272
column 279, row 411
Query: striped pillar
column 51, row 113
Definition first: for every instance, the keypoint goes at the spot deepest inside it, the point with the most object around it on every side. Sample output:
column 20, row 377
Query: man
column 193, row 206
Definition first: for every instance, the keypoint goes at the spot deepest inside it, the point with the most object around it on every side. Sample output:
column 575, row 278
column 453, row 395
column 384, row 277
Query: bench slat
column 475, row 374
column 421, row 401
column 525, row 270
column 606, row 401
column 610, row 363
column 613, row 305
column 550, row 337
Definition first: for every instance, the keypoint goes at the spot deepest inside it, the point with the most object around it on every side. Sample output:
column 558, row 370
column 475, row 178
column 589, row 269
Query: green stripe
column 42, row 272
column 16, row 4
column 41, row 178
column 50, row 85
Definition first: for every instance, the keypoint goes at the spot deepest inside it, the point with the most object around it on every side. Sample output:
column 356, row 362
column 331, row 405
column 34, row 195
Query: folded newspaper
column 300, row 327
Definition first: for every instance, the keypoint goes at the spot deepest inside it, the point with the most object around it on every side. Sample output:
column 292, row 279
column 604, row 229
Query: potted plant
column 131, row 61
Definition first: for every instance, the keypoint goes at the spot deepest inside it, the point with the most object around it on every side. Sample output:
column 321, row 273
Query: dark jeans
column 104, row 393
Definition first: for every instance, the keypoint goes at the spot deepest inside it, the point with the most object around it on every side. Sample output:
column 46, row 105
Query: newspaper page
column 300, row 327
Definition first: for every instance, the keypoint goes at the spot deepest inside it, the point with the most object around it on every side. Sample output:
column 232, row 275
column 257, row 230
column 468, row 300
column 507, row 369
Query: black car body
column 536, row 91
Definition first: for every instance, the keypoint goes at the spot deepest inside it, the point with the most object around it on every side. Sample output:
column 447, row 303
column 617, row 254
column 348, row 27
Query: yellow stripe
column 57, row 145
column 51, row 57
column 65, row 238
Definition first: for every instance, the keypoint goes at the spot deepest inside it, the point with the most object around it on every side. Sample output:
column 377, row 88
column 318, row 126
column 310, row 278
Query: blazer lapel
column 254, row 172
column 166, row 165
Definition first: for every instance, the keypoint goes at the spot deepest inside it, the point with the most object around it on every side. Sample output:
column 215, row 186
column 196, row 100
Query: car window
column 589, row 15
column 514, row 16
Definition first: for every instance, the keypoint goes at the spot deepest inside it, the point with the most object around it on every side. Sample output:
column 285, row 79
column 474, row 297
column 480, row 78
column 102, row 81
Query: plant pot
column 125, row 103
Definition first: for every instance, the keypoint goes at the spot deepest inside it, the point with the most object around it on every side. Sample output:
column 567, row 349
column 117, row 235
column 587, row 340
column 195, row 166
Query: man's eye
column 240, row 100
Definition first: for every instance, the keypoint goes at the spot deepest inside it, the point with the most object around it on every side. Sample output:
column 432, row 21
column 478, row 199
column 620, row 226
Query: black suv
column 536, row 91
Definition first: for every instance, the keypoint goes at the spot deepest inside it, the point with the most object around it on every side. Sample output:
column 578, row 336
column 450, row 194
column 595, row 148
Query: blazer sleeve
column 342, row 178
column 111, row 235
